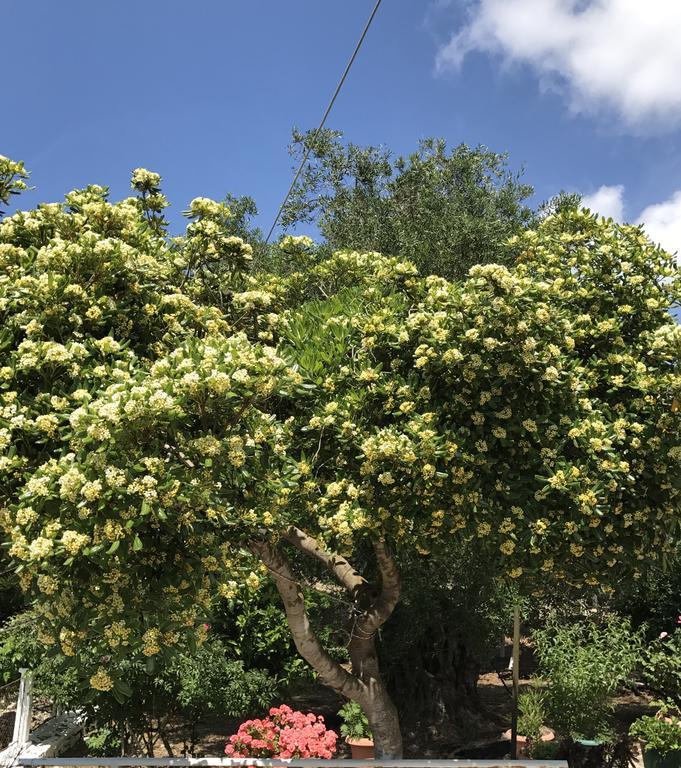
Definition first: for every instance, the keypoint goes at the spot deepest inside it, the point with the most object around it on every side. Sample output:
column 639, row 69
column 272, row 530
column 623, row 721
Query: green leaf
column 124, row 688
column 137, row 544
column 116, row 544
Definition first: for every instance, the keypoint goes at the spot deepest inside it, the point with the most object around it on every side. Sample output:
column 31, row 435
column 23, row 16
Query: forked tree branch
column 390, row 589
column 330, row 672
column 354, row 582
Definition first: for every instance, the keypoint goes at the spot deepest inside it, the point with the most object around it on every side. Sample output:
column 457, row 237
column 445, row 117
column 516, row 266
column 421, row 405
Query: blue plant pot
column 586, row 753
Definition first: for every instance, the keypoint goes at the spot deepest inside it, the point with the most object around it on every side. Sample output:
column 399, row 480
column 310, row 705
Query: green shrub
column 662, row 666
column 208, row 681
column 191, row 686
column 254, row 629
column 355, row 723
column 584, row 665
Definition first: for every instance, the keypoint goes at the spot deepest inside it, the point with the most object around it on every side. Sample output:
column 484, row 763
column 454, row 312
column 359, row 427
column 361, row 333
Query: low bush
column 584, row 665
column 661, row 732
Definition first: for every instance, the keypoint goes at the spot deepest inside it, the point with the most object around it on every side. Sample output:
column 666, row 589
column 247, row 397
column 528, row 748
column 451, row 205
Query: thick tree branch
column 390, row 589
column 330, row 672
column 354, row 582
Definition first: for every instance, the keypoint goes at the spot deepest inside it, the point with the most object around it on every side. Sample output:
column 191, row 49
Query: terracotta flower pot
column 521, row 741
column 361, row 749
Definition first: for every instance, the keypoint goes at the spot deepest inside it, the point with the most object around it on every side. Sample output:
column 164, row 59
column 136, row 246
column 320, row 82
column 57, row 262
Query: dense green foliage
column 254, row 629
column 165, row 413
column 443, row 210
column 585, row 665
column 192, row 686
column 660, row 732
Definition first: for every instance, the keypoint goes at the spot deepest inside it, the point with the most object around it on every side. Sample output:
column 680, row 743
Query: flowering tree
column 532, row 413
column 209, row 420
column 98, row 340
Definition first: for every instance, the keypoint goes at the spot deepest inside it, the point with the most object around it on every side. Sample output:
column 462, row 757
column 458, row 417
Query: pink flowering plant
column 284, row 733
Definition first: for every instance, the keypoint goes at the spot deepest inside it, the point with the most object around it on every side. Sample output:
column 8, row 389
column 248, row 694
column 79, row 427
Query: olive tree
column 443, row 209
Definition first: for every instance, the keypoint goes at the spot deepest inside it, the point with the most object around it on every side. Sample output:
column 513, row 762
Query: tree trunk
column 384, row 722
column 364, row 684
column 375, row 700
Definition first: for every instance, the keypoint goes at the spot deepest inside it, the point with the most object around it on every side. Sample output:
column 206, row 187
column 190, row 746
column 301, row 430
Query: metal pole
column 516, row 677
column 22, row 718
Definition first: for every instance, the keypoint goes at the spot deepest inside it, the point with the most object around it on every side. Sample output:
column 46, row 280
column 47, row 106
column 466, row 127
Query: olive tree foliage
column 442, row 209
column 559, row 203
column 174, row 428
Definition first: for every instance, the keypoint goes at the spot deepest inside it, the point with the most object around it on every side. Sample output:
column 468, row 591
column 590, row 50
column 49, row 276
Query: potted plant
column 533, row 736
column 356, row 732
column 660, row 737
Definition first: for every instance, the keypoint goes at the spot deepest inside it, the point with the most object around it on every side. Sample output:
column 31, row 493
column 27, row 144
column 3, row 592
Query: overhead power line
column 326, row 114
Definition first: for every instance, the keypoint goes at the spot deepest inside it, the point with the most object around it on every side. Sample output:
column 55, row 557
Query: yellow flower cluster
column 101, row 680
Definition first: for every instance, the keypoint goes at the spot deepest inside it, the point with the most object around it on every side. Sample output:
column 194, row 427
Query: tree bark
column 375, row 699
column 376, row 702
column 363, row 684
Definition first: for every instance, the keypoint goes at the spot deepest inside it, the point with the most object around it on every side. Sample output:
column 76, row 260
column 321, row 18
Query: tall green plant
column 584, row 665
column 662, row 665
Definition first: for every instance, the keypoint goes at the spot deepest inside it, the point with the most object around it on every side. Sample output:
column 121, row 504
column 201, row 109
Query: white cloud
column 621, row 55
column 662, row 223
column 608, row 201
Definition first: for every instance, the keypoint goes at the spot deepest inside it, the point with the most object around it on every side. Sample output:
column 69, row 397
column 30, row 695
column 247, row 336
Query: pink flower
column 663, row 635
column 286, row 734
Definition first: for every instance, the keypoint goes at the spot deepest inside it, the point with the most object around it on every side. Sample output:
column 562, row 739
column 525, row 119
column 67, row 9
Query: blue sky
column 206, row 93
